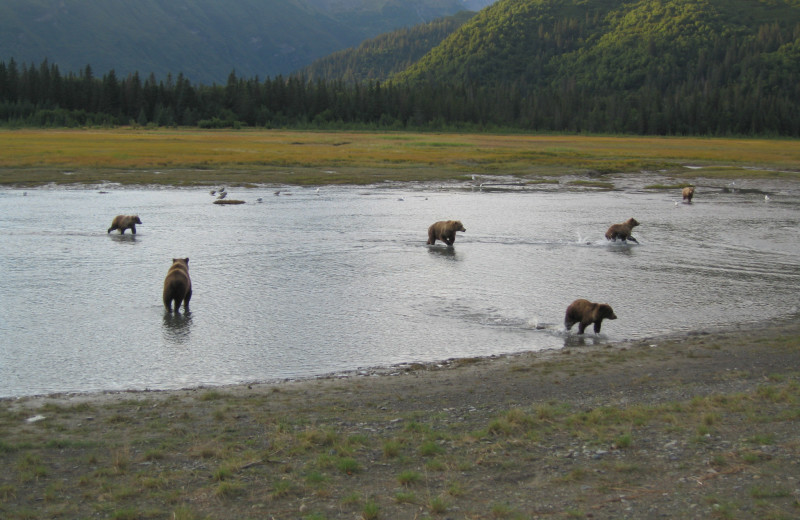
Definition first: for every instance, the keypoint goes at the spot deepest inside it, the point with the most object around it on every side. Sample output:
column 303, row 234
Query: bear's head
column 605, row 311
column 457, row 225
column 181, row 261
column 632, row 222
column 136, row 219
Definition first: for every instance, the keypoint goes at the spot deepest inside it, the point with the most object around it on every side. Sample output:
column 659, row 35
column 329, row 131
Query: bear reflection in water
column 177, row 327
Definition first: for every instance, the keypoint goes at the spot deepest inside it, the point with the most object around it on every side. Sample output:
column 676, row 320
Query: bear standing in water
column 622, row 231
column 123, row 222
column 585, row 313
column 688, row 193
column 444, row 230
column 178, row 285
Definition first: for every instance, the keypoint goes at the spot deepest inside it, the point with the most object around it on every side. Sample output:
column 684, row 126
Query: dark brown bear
column 622, row 231
column 585, row 313
column 178, row 285
column 444, row 230
column 688, row 193
column 123, row 222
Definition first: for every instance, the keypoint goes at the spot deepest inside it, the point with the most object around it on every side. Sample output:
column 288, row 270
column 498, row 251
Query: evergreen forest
column 651, row 67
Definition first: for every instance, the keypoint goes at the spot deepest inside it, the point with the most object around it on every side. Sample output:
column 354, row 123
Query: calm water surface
column 307, row 283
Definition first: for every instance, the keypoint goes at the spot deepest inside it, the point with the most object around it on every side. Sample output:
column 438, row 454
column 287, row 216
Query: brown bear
column 688, row 193
column 585, row 313
column 178, row 285
column 622, row 231
column 123, row 222
column 444, row 230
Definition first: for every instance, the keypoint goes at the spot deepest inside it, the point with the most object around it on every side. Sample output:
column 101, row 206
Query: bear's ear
column 187, row 259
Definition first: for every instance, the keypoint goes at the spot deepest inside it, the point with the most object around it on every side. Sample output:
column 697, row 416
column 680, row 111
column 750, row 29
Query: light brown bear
column 688, row 193
column 585, row 313
column 622, row 231
column 178, row 285
column 444, row 230
column 123, row 222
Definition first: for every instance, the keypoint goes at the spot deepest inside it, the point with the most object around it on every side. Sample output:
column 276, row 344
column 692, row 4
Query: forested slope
column 652, row 66
column 381, row 57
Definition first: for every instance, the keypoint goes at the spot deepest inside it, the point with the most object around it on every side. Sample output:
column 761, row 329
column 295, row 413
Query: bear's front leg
column 633, row 240
column 597, row 326
column 133, row 229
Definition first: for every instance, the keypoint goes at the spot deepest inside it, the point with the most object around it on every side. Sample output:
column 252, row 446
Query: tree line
column 41, row 96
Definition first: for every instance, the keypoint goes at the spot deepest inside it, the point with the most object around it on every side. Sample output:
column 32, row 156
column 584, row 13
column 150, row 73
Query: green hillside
column 614, row 56
column 203, row 39
column 387, row 54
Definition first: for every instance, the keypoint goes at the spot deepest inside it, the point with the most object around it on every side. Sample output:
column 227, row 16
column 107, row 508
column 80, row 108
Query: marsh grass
column 189, row 157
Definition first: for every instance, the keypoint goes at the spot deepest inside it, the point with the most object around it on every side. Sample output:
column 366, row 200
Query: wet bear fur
column 444, row 230
column 622, row 231
column 585, row 313
column 123, row 222
column 178, row 285
column 688, row 193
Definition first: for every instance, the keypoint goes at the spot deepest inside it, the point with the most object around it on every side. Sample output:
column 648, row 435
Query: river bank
column 692, row 426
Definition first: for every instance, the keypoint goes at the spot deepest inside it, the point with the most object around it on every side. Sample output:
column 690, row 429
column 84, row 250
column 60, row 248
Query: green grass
column 191, row 157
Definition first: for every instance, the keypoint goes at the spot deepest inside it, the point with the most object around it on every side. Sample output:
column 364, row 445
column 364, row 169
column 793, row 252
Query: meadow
column 198, row 157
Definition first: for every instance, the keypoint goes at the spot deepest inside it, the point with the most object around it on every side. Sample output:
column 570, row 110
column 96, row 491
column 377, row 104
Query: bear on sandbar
column 622, row 231
column 688, row 193
column 178, row 285
column 123, row 222
column 444, row 230
column 585, row 313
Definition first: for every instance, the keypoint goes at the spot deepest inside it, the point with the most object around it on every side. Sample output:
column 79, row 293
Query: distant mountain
column 381, row 57
column 203, row 39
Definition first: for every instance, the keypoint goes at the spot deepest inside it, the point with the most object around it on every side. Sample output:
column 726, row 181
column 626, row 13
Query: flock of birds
column 220, row 193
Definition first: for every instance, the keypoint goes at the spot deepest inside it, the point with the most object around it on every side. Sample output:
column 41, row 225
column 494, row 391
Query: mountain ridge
column 202, row 39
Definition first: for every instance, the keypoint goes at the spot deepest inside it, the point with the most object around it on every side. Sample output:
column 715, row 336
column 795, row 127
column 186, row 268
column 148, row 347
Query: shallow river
column 310, row 282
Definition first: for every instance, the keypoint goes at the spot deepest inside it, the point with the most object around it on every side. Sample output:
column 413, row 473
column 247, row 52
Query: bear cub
column 585, row 313
column 622, row 231
column 123, row 222
column 178, row 285
column 444, row 230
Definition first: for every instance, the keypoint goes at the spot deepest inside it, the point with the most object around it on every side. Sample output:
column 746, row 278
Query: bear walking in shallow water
column 688, row 193
column 622, row 231
column 585, row 313
column 178, row 285
column 123, row 222
column 444, row 230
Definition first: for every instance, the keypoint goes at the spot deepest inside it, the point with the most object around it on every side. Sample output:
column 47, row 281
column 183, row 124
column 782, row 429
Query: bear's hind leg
column 581, row 327
column 186, row 301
